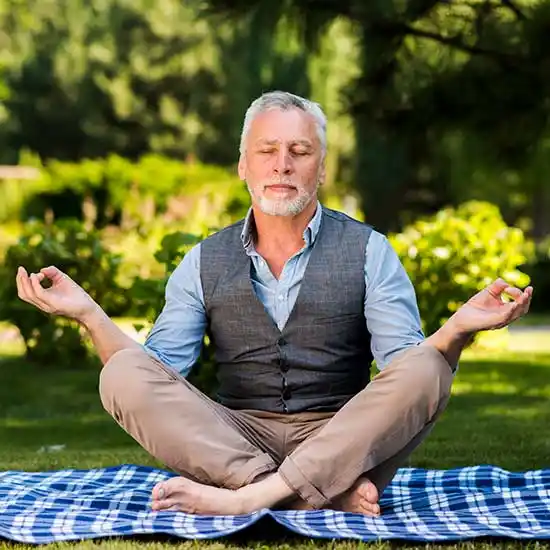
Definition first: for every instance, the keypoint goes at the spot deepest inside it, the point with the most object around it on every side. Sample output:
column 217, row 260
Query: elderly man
column 297, row 300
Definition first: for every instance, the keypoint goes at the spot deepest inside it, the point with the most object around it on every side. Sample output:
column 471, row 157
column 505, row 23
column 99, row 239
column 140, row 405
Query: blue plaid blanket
column 419, row 505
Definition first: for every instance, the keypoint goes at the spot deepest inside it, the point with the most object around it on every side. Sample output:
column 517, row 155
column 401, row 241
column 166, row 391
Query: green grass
column 499, row 414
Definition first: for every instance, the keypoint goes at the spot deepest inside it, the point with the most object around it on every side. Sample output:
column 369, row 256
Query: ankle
column 263, row 494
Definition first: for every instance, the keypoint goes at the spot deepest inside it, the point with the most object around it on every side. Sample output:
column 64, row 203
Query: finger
column 517, row 311
column 506, row 314
column 39, row 291
column 496, row 288
column 514, row 292
column 22, row 276
column 526, row 304
column 24, row 285
column 38, row 296
column 53, row 273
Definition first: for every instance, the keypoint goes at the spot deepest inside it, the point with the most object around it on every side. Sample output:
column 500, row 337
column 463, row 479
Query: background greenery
column 129, row 112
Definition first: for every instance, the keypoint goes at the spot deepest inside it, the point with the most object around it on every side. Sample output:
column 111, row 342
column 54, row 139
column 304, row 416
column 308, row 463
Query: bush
column 134, row 195
column 148, row 298
column 454, row 254
column 79, row 253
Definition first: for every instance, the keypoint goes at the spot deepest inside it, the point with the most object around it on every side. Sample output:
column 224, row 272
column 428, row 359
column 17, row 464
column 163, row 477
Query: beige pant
column 319, row 455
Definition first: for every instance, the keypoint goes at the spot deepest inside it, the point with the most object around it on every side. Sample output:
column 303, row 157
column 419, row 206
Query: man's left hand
column 487, row 310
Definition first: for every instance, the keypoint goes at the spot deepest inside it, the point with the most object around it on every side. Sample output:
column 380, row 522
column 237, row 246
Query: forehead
column 283, row 126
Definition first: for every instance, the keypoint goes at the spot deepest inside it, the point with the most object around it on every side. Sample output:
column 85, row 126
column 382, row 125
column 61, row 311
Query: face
column 282, row 163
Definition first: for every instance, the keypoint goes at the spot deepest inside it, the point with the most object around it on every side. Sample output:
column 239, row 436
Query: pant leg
column 179, row 425
column 380, row 422
column 382, row 474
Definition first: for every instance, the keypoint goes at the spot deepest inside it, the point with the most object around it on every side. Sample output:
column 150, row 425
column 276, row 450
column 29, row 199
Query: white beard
column 282, row 206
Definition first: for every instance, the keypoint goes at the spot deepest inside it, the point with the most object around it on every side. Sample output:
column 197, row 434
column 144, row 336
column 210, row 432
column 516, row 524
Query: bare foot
column 361, row 498
column 182, row 494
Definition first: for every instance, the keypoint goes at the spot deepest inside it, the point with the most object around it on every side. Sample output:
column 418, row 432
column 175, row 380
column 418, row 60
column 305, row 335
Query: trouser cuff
column 298, row 482
column 255, row 467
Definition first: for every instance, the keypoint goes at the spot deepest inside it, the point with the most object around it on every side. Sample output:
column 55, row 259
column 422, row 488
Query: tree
column 431, row 70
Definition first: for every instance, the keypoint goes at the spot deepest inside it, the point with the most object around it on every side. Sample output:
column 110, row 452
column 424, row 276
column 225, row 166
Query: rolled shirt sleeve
column 177, row 334
column 391, row 309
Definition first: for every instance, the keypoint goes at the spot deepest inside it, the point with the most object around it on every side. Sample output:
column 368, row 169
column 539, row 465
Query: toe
column 163, row 505
column 368, row 508
column 159, row 491
column 368, row 491
column 372, row 493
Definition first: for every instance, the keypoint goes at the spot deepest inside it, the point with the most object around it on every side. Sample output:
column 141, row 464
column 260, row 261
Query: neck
column 282, row 232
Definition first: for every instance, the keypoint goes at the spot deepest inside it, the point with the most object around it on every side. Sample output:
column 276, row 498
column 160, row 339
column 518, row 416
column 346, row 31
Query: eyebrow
column 304, row 142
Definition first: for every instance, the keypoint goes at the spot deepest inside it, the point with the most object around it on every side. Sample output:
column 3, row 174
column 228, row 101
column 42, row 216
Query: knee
column 434, row 374
column 427, row 371
column 120, row 383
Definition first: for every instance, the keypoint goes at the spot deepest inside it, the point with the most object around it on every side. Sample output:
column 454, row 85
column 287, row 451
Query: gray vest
column 322, row 357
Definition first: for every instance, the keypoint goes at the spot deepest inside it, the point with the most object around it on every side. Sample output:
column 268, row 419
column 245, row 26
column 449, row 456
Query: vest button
column 286, row 393
column 281, row 341
column 284, row 365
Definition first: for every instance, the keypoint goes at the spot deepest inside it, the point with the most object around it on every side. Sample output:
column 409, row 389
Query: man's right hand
column 64, row 297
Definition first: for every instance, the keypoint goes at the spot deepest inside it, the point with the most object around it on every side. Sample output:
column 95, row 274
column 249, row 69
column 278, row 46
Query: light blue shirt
column 391, row 310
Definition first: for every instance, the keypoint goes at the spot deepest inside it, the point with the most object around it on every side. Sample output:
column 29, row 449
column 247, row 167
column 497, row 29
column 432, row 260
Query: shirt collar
column 310, row 232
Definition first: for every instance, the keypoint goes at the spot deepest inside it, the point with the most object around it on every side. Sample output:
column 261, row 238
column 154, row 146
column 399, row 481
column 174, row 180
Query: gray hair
column 285, row 101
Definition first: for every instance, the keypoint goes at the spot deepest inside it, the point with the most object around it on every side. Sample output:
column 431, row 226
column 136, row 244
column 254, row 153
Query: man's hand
column 64, row 297
column 484, row 311
column 487, row 310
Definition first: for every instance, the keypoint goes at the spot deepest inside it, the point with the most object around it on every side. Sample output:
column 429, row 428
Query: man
column 297, row 300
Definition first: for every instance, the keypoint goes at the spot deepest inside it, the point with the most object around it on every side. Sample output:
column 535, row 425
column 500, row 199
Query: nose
column 283, row 164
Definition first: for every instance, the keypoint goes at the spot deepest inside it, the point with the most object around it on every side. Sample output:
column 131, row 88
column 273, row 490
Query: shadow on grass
column 499, row 414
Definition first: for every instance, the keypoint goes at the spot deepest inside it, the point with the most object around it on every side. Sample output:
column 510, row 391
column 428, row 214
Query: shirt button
column 281, row 297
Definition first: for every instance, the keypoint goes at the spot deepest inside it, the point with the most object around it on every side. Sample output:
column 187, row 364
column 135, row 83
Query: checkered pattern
column 419, row 505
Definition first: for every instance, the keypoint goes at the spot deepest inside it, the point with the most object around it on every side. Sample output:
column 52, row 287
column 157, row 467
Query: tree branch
column 455, row 42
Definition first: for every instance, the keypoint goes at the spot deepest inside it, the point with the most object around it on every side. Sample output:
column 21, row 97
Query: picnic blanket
column 419, row 505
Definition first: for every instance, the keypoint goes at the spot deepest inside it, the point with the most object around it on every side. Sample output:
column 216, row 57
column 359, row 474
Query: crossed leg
column 344, row 464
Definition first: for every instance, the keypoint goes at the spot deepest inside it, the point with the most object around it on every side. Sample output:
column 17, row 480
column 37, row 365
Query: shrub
column 79, row 253
column 147, row 296
column 115, row 190
column 457, row 252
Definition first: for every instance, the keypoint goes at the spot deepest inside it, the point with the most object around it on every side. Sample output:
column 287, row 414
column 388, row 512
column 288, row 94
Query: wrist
column 91, row 317
column 454, row 330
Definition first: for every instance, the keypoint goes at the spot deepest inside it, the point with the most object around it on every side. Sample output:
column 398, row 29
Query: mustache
column 280, row 181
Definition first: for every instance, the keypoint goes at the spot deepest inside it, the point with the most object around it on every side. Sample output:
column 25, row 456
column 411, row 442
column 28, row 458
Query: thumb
column 53, row 273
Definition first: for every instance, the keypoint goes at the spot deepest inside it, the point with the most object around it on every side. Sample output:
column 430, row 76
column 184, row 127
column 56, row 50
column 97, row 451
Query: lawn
column 499, row 414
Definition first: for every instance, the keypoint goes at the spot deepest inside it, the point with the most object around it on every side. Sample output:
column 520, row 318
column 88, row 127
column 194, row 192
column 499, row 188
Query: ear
column 242, row 167
column 322, row 173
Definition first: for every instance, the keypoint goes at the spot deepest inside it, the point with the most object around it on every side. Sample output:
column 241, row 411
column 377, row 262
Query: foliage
column 78, row 252
column 429, row 103
column 134, row 195
column 429, row 73
column 454, row 254
column 100, row 76
column 147, row 296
